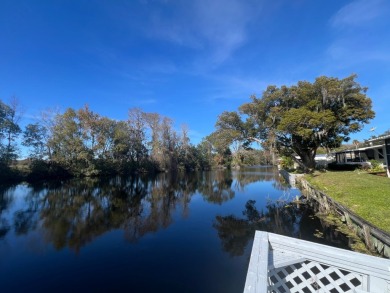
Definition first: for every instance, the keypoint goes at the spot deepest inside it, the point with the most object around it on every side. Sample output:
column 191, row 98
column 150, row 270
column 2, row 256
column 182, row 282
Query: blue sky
column 188, row 60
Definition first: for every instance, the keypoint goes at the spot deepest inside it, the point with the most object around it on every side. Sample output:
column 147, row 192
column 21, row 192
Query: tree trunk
column 307, row 158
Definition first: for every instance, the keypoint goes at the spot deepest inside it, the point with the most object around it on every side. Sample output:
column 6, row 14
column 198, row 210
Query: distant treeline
column 83, row 143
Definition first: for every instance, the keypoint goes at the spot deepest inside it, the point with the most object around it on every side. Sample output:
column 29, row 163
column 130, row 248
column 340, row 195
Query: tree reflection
column 278, row 217
column 6, row 199
column 74, row 212
column 81, row 210
column 27, row 218
column 250, row 175
column 268, row 173
column 216, row 187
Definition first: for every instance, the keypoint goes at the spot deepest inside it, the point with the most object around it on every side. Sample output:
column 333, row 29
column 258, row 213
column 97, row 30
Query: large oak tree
column 301, row 118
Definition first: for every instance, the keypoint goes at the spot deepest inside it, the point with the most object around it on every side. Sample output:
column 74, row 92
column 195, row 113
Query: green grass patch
column 364, row 194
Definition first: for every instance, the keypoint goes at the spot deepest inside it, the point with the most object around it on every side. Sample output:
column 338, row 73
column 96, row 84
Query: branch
column 255, row 139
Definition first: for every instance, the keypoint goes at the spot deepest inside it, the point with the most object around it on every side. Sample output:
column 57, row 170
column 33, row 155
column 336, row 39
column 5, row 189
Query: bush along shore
column 345, row 215
column 41, row 170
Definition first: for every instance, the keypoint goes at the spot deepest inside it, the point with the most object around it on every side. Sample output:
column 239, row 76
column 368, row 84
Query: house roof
column 382, row 137
column 361, row 149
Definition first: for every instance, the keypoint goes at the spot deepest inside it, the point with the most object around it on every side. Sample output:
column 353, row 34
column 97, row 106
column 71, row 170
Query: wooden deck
column 284, row 264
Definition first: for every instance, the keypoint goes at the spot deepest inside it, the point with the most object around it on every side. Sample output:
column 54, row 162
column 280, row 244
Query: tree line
column 80, row 142
column 295, row 120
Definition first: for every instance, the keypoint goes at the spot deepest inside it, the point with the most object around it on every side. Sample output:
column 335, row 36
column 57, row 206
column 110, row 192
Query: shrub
column 376, row 166
column 9, row 175
column 287, row 163
column 43, row 170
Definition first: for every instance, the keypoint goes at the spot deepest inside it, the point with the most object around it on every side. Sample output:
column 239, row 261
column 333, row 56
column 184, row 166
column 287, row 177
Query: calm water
column 183, row 233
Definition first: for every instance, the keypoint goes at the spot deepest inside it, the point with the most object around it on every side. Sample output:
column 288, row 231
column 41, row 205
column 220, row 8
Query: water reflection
column 144, row 234
column 79, row 211
column 73, row 213
column 279, row 216
column 5, row 201
column 251, row 175
column 235, row 232
column 217, row 187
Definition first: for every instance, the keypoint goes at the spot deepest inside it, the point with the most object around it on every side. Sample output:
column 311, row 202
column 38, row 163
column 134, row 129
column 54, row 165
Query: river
column 164, row 233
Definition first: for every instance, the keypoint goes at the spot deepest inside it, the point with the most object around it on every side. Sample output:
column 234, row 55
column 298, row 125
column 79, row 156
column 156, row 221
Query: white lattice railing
column 283, row 264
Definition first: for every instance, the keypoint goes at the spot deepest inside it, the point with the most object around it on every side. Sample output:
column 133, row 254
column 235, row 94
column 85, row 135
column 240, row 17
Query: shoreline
column 374, row 238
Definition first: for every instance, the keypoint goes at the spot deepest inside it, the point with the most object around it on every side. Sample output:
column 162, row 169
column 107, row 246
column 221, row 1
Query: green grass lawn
column 365, row 194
